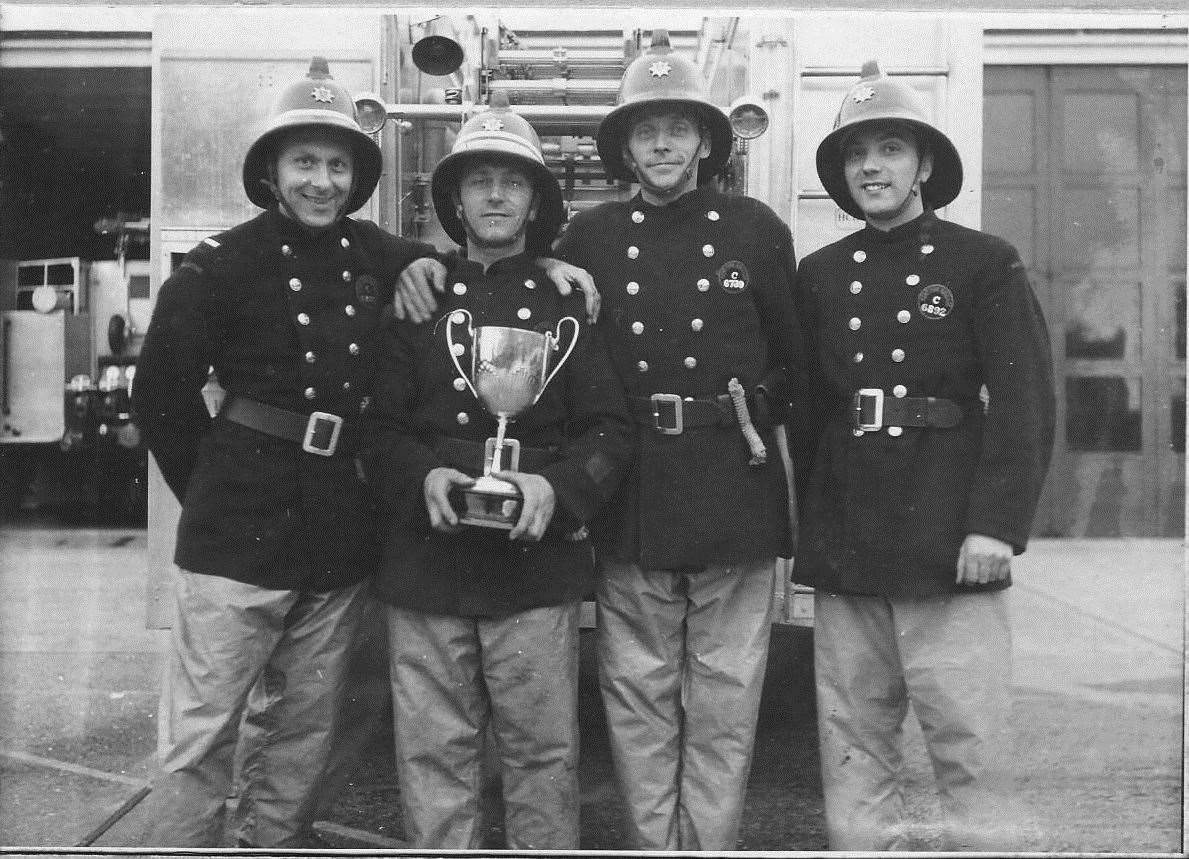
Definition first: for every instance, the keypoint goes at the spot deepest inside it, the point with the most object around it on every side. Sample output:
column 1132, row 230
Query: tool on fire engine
column 759, row 452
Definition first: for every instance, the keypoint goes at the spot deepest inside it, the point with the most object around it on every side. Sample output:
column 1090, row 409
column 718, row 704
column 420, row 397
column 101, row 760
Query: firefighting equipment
column 878, row 97
column 316, row 100
column 659, row 77
column 501, row 133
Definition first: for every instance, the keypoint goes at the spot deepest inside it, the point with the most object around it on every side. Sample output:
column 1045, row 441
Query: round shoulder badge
column 733, row 276
column 935, row 301
column 367, row 290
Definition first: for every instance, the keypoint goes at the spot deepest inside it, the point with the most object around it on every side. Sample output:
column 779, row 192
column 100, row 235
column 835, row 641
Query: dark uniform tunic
column 288, row 319
column 578, row 436
column 695, row 293
column 929, row 309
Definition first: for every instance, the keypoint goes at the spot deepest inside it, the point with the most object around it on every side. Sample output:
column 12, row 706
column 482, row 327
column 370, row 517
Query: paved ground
column 1099, row 663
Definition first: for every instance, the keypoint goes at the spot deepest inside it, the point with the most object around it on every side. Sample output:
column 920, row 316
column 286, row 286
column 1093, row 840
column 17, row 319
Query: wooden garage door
column 1084, row 170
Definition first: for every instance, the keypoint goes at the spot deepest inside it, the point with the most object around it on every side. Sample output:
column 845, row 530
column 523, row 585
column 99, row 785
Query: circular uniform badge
column 733, row 276
column 935, row 301
column 367, row 290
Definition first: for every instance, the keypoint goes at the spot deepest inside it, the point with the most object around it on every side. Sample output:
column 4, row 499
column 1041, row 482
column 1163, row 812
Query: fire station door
column 1085, row 174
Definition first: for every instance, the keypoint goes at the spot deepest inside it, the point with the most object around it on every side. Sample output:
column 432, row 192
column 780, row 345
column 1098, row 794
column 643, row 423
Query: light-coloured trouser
column 950, row 657
column 452, row 678
column 278, row 661
column 681, row 666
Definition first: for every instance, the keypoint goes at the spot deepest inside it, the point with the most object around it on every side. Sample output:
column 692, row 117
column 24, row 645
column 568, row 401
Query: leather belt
column 870, row 410
column 319, row 433
column 671, row 414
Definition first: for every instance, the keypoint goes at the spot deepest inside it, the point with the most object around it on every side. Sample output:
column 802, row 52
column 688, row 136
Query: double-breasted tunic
column 286, row 318
column 928, row 309
column 423, row 415
column 695, row 293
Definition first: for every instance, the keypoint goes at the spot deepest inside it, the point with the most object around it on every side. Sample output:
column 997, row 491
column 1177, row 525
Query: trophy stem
column 498, row 453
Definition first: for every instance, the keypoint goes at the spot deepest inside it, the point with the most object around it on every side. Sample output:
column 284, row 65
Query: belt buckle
column 664, row 428
column 876, row 422
column 312, row 429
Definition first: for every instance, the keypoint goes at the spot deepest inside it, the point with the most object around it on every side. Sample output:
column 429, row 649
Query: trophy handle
column 553, row 339
column 450, row 344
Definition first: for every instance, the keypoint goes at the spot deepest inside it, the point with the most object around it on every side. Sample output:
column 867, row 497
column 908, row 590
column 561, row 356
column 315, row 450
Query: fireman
column 921, row 493
column 697, row 306
column 275, row 539
column 483, row 622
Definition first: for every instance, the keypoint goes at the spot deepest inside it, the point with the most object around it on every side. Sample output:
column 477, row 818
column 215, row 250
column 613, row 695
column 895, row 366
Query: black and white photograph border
column 122, row 131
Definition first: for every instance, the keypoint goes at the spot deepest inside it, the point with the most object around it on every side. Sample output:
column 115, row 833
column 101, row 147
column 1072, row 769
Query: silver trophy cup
column 509, row 372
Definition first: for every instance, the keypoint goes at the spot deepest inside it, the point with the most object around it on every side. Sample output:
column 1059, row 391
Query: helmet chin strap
column 271, row 184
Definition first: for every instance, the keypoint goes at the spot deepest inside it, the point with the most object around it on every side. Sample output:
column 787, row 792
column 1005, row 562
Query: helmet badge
column 322, row 94
column 660, row 69
column 493, row 124
column 862, row 94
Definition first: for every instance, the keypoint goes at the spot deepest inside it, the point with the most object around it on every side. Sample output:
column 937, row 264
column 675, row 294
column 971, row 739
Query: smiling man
column 277, row 532
column 697, row 306
column 483, row 622
column 936, row 387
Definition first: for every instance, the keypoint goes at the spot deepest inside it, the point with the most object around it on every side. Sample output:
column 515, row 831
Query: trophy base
column 491, row 503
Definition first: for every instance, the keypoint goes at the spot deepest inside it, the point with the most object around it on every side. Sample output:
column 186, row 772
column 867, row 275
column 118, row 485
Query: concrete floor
column 1097, row 629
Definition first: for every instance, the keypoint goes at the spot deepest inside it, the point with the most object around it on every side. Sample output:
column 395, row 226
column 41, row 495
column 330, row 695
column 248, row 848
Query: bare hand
column 983, row 559
column 565, row 277
column 437, row 486
column 414, row 299
column 537, row 509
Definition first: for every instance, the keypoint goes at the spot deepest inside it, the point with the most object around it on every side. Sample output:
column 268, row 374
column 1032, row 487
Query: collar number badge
column 935, row 301
column 367, row 290
column 733, row 276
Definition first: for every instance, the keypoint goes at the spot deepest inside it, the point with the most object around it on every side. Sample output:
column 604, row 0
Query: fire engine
column 68, row 344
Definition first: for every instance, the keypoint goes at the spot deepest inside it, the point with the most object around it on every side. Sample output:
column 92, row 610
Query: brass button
column 633, row 288
column 353, row 348
column 860, row 256
column 926, row 249
column 855, row 287
column 703, row 285
column 349, row 309
column 857, row 432
column 310, row 393
column 707, row 250
column 524, row 313
column 696, row 324
column 529, row 283
column 460, row 289
column 346, row 277
column 343, row 241
column 463, row 418
column 460, row 383
column 895, row 432
column 638, row 217
column 458, row 348
column 295, row 284
column 899, row 391
column 690, row 362
column 286, row 250
column 633, row 252
column 855, row 323
column 311, row 357
column 637, row 327
column 642, row 366
column 903, row 316
column 858, row 357
column 913, row 279
column 897, row 355
column 712, row 215
column 303, row 318
column 346, row 386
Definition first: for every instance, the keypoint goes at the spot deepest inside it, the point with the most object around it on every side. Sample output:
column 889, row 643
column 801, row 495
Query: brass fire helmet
column 317, row 100
column 659, row 77
column 878, row 97
column 501, row 133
